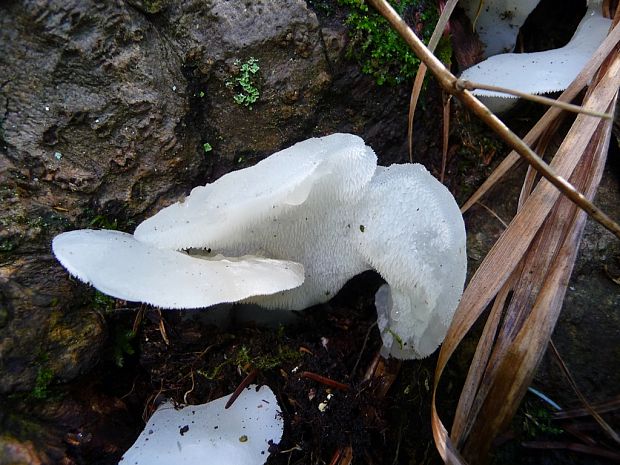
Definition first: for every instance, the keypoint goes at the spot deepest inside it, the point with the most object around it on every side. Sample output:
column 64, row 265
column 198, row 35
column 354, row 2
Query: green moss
column 380, row 51
column 245, row 82
column 154, row 6
column 42, row 382
column 103, row 222
column 122, row 346
column 103, row 302
column 536, row 421
column 244, row 358
column 7, row 245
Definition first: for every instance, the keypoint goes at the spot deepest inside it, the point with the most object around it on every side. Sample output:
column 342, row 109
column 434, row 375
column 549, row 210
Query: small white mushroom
column 540, row 72
column 322, row 203
column 209, row 433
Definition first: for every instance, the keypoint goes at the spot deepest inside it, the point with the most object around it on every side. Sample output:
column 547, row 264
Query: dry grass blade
column 600, row 407
column 469, row 85
column 590, row 450
column 478, row 366
column 533, row 310
column 568, row 95
column 507, row 252
column 551, row 226
column 446, row 136
column 604, row 425
column 419, row 78
column 495, row 394
column 448, row 82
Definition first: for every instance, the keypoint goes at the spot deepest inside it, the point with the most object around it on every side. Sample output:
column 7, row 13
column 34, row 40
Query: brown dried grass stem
column 419, row 78
column 469, row 85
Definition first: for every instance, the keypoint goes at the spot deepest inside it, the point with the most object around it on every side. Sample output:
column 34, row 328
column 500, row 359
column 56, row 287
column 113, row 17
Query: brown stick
column 324, row 380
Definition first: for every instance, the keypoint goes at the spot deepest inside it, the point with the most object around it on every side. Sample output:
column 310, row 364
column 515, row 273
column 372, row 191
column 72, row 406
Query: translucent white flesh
column 420, row 252
column 210, row 434
column 325, row 211
column 498, row 22
column 340, row 164
column 540, row 72
column 119, row 265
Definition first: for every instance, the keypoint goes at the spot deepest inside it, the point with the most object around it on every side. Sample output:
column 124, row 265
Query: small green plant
column 381, row 52
column 243, row 358
column 122, row 346
column 103, row 222
column 207, row 147
column 245, row 83
column 42, row 382
column 103, row 302
column 537, row 421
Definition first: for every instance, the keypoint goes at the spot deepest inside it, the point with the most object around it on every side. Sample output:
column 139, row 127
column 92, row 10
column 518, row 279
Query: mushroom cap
column 123, row 267
column 209, row 433
column 341, row 164
column 540, row 72
column 419, row 250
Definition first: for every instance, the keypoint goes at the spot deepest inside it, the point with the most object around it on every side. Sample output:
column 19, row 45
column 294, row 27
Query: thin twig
column 359, row 357
column 190, row 390
column 448, row 81
column 571, row 381
column 600, row 407
column 324, row 380
column 242, row 385
column 469, row 85
column 497, row 217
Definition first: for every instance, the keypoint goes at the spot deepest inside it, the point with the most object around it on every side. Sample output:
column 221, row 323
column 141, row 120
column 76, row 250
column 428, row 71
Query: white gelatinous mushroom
column 322, row 203
column 497, row 22
column 209, row 433
column 540, row 72
column 419, row 251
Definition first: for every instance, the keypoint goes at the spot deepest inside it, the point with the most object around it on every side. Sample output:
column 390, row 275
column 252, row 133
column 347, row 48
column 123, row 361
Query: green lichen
column 378, row 48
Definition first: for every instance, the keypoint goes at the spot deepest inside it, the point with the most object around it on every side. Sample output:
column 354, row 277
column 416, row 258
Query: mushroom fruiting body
column 322, row 203
column 497, row 22
column 540, row 72
column 210, row 433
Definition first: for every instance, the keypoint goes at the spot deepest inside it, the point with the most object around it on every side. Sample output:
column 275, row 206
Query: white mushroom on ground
column 209, row 433
column 540, row 72
column 322, row 203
